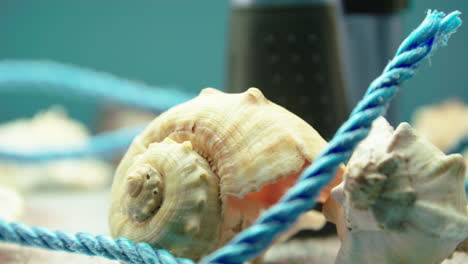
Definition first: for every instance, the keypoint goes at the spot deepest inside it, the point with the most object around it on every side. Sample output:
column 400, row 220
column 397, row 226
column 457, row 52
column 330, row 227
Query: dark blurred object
column 374, row 7
column 374, row 31
column 289, row 49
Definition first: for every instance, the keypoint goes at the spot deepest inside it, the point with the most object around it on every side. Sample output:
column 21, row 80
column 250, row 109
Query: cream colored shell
column 50, row 130
column 243, row 139
column 193, row 191
column 242, row 134
column 12, row 204
column 443, row 124
column 402, row 200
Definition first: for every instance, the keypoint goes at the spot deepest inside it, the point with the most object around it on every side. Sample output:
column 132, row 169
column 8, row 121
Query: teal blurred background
column 178, row 44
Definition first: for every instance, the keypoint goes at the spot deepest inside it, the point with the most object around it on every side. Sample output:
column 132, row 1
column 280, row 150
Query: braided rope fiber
column 433, row 32
column 83, row 243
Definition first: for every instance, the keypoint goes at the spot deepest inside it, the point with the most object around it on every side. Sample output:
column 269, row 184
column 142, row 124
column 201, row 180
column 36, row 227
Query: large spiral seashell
column 402, row 200
column 204, row 170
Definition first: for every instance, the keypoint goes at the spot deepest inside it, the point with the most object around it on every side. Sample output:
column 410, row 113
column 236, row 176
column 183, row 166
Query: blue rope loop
column 48, row 77
column 433, row 32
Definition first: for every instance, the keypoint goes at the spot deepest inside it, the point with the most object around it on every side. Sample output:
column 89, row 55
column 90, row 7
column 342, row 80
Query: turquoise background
column 174, row 43
column 446, row 74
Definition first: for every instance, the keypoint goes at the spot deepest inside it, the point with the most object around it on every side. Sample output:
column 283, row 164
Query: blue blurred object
column 49, row 78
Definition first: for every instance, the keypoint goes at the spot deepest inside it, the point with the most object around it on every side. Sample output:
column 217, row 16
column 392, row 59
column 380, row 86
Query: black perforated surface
column 292, row 55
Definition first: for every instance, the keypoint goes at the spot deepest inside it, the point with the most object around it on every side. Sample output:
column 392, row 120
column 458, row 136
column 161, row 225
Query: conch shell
column 402, row 200
column 204, row 170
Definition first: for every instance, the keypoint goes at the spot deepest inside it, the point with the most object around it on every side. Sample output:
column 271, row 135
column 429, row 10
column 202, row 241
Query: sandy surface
column 87, row 212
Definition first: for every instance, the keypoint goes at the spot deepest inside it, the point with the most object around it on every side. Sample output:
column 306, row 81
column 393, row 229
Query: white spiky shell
column 247, row 141
column 402, row 200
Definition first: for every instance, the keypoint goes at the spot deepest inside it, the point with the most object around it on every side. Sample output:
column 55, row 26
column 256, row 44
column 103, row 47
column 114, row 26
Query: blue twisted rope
column 433, row 32
column 47, row 77
column 83, row 243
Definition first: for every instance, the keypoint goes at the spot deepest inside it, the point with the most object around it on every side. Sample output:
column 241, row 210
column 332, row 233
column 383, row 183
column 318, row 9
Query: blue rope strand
column 49, row 77
column 104, row 145
column 83, row 243
column 300, row 198
column 433, row 32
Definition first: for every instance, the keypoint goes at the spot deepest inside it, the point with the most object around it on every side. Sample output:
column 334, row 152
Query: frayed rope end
column 448, row 26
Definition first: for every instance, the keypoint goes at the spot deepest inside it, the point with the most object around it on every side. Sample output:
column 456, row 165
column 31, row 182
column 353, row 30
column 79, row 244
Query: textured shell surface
column 247, row 149
column 241, row 133
column 402, row 200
